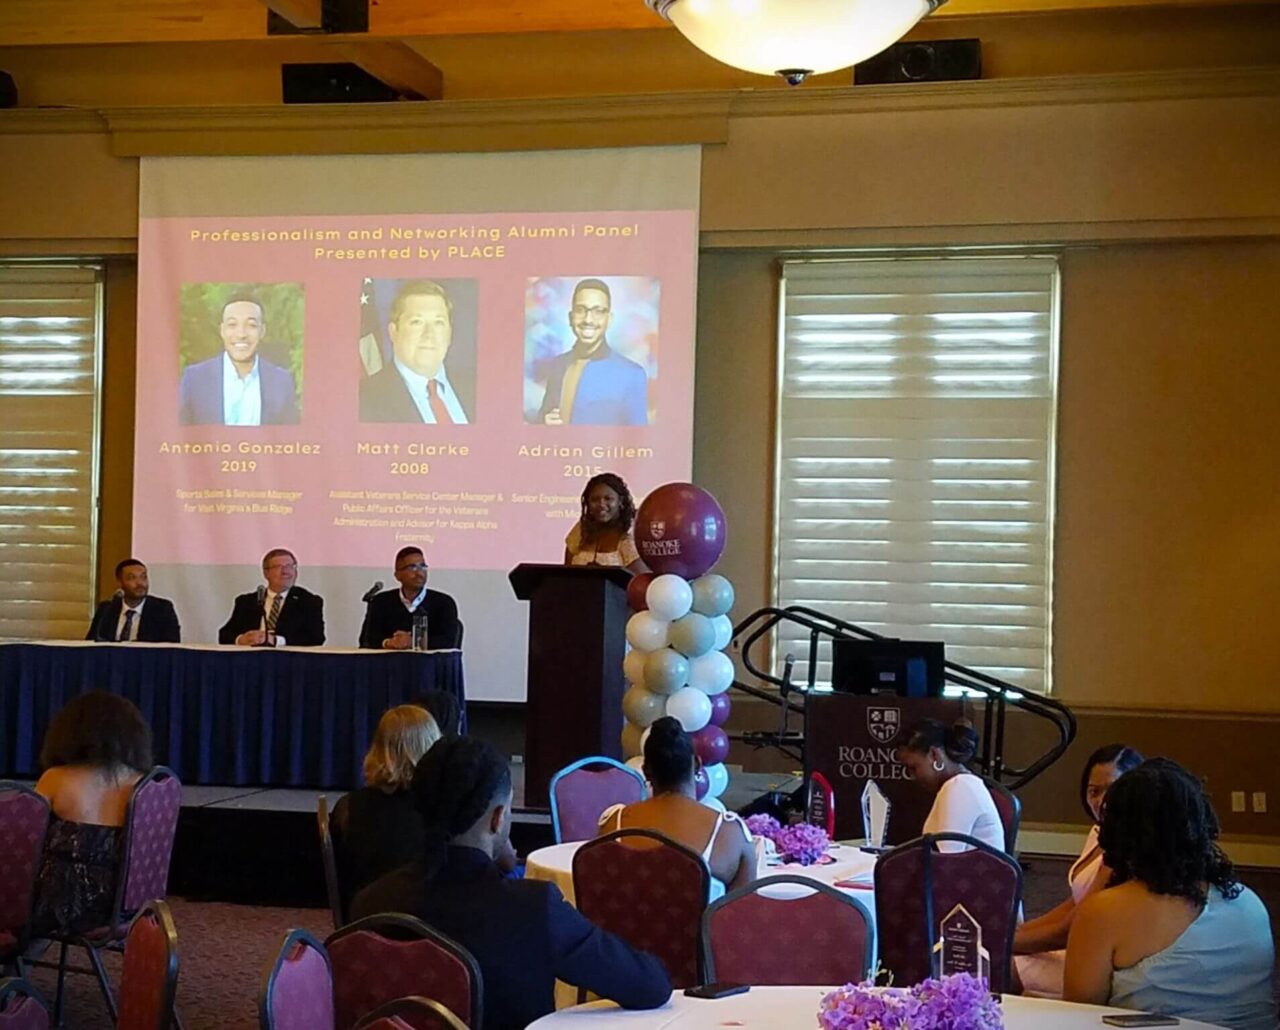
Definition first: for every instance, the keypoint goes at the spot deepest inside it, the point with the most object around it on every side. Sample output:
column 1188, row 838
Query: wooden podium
column 577, row 640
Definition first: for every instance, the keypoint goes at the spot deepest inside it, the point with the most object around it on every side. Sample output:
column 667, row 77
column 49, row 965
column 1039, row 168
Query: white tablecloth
column 786, row 1008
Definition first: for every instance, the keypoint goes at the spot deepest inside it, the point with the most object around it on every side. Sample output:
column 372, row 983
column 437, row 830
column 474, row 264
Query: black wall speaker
column 337, row 83
column 938, row 60
column 8, row 90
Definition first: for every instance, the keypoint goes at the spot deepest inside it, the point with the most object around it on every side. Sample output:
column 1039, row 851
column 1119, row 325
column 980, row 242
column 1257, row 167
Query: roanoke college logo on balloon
column 657, row 528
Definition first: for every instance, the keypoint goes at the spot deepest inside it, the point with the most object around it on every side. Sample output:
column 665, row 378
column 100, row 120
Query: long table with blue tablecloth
column 278, row 717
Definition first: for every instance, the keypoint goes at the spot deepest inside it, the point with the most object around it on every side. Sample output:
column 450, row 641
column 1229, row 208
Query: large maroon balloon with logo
column 680, row 529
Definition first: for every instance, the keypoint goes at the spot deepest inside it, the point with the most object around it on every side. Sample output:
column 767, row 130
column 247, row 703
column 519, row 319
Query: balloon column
column 677, row 665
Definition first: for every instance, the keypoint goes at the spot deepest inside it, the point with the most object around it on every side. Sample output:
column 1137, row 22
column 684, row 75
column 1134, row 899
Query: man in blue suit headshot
column 591, row 384
column 238, row 387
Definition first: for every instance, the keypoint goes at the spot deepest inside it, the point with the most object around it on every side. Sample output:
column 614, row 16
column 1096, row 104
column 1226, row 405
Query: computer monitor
column 907, row 668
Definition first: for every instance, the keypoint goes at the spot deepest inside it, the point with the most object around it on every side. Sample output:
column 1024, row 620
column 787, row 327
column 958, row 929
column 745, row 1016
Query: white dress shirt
column 137, row 618
column 412, row 606
column 241, row 398
column 417, row 385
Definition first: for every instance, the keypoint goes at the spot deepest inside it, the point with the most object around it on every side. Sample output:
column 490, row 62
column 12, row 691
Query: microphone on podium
column 372, row 592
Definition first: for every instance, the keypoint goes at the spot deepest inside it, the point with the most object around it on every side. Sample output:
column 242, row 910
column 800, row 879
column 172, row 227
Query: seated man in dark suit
column 133, row 614
column 523, row 933
column 388, row 617
column 279, row 614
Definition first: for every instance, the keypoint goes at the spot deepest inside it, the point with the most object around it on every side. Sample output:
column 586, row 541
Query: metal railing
column 998, row 694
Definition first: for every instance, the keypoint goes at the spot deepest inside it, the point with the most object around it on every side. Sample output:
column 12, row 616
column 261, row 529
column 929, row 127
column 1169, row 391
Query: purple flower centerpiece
column 802, row 843
column 957, row 1002
column 763, row 825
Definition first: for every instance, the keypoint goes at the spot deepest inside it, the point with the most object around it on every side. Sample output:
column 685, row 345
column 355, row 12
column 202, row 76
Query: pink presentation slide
column 348, row 385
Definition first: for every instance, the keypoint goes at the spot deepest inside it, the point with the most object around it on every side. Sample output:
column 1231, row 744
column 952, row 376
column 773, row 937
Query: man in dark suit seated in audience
column 278, row 614
column 523, row 933
column 388, row 618
column 133, row 614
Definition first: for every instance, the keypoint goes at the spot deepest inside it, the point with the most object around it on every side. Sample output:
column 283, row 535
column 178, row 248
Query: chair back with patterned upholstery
column 149, row 980
column 580, row 794
column 149, row 827
column 813, row 934
column 297, row 986
column 24, row 821
column 1010, row 809
column 329, row 859
column 648, row 890
column 380, row 958
column 412, row 1013
column 917, row 886
column 21, row 1007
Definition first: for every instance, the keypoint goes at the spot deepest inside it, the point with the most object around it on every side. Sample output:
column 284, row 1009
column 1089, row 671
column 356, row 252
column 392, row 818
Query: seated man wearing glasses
column 278, row 614
column 388, row 617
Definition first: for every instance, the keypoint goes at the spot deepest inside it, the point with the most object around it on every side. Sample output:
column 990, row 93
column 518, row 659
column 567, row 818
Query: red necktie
column 437, row 403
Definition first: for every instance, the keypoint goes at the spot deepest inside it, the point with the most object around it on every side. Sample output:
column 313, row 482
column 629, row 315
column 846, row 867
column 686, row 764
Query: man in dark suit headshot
column 278, row 614
column 238, row 387
column 591, row 384
column 388, row 618
column 133, row 614
column 417, row 386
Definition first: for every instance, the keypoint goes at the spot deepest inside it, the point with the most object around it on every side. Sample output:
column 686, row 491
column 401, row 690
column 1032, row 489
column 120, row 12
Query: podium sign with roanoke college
column 850, row 739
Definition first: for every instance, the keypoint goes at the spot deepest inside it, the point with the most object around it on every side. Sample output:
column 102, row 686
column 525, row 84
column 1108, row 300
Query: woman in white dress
column 936, row 756
column 1040, row 944
column 602, row 536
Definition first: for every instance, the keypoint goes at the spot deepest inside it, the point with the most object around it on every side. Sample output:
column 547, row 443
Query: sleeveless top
column 614, row 814
column 586, row 554
column 1218, row 971
column 77, row 881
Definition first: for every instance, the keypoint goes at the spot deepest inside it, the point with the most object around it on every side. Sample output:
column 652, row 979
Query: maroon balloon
column 719, row 710
column 680, row 529
column 636, row 591
column 701, row 783
column 711, row 744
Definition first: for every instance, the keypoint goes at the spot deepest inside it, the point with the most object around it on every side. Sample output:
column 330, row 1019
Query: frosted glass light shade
column 793, row 38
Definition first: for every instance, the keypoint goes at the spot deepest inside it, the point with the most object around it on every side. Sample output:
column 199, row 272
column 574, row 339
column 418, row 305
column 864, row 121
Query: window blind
column 49, row 374
column 915, row 464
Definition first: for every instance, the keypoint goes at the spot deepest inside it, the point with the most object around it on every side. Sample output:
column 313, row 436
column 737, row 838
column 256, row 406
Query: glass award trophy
column 959, row 948
column 875, row 814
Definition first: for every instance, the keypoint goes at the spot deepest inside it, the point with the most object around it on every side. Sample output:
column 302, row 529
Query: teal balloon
column 693, row 636
column 712, row 595
column 643, row 707
column 666, row 671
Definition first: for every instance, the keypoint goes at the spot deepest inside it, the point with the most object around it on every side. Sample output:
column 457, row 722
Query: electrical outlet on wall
column 1260, row 801
column 1237, row 801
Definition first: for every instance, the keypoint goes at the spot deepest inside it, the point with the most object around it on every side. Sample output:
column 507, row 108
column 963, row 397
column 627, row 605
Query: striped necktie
column 274, row 615
column 126, row 633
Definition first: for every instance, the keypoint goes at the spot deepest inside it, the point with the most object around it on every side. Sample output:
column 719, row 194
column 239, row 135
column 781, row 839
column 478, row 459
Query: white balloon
column 645, row 632
column 712, row 595
column 633, row 666
column 712, row 673
column 669, row 597
column 691, row 707
column 636, row 763
column 718, row 778
column 724, row 631
column 715, row 803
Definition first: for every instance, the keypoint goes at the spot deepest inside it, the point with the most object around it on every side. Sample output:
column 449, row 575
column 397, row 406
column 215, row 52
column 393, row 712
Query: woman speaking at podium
column 602, row 536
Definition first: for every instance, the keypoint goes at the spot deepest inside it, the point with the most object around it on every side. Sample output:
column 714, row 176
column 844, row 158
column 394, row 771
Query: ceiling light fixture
column 793, row 38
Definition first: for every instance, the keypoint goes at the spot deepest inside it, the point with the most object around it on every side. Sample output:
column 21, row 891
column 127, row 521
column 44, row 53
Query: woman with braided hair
column 602, row 536
column 523, row 933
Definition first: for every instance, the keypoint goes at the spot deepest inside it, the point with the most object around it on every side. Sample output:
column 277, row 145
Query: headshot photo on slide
column 417, row 350
column 591, row 350
column 240, row 354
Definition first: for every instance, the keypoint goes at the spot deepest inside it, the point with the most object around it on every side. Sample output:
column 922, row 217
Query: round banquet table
column 785, row 1008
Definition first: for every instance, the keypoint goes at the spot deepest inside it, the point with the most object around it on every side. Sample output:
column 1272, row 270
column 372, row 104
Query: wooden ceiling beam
column 397, row 64
column 301, row 14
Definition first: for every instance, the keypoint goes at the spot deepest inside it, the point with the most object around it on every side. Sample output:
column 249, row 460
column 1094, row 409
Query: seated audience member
column 95, row 751
column 523, row 933
column 279, row 614
column 674, row 810
column 376, row 829
column 443, row 707
column 1040, row 943
column 132, row 614
column 602, row 535
column 936, row 756
column 1175, row 933
column 388, row 617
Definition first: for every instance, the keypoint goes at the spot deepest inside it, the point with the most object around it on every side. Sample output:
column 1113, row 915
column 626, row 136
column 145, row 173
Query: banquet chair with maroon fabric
column 917, row 886
column 412, row 1013
column 380, row 958
column 1010, row 810
column 24, row 821
column 146, row 846
column 813, row 935
column 297, row 986
column 149, row 979
column 648, row 890
column 581, row 791
column 21, row 1007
